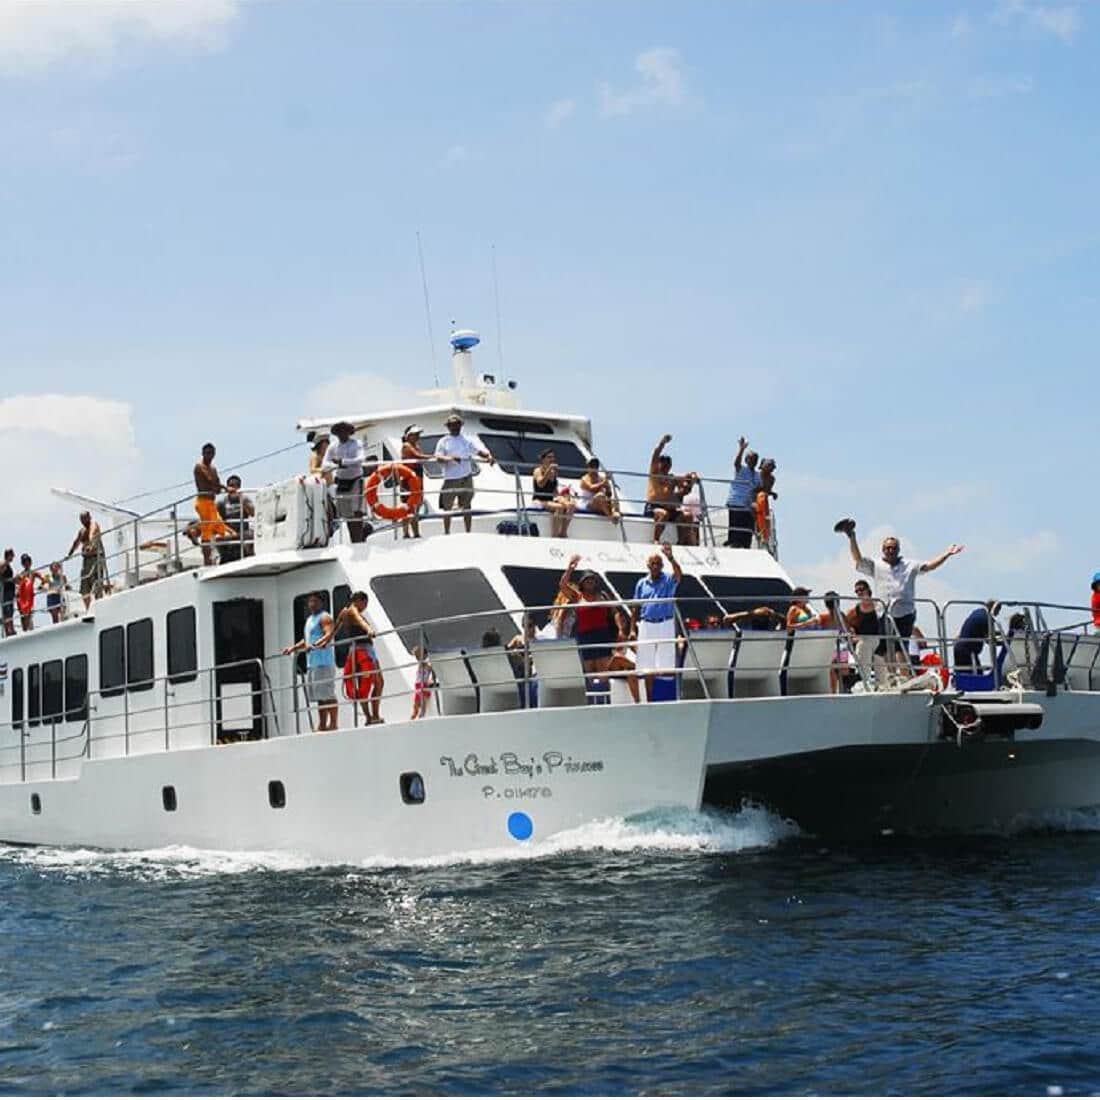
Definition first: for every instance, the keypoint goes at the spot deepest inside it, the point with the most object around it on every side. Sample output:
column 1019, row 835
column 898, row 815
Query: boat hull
column 557, row 769
column 890, row 774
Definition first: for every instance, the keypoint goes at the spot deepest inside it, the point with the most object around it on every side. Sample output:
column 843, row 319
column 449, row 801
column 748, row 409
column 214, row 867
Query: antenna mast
column 496, row 298
column 428, row 310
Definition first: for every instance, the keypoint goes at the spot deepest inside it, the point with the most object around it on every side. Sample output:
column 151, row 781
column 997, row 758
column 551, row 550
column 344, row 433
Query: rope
column 233, row 465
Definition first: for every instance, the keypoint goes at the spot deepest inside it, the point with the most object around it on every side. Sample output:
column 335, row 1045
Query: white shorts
column 656, row 645
column 321, row 684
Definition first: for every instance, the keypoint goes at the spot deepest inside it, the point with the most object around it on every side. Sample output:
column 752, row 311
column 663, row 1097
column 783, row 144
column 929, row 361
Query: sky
column 865, row 236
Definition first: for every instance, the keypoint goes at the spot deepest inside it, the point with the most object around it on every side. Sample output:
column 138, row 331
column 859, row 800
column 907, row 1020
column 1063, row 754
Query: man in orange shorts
column 207, row 486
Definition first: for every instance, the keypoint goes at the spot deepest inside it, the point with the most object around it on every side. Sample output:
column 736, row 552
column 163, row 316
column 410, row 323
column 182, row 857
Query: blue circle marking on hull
column 520, row 826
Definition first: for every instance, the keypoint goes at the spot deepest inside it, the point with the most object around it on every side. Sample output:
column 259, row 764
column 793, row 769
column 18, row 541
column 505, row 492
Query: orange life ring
column 408, row 478
column 763, row 517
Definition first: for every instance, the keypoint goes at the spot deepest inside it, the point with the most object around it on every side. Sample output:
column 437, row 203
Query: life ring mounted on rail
column 408, row 477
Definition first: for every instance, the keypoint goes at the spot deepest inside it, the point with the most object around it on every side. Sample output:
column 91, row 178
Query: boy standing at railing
column 315, row 643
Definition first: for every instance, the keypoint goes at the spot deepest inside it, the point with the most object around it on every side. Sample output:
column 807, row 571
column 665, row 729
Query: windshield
column 512, row 451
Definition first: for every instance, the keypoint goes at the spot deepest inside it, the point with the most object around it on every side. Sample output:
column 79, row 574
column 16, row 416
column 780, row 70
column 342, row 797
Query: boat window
column 183, row 653
column 34, row 695
column 341, row 597
column 745, row 593
column 427, row 446
column 694, row 601
column 301, row 613
column 52, row 691
column 112, row 661
column 512, row 451
column 17, row 698
column 535, row 587
column 139, row 655
column 412, row 598
column 516, row 426
column 76, row 688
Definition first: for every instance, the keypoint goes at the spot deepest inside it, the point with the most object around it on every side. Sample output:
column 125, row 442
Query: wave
column 668, row 831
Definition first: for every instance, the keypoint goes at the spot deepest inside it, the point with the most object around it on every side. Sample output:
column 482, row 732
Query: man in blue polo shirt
column 654, row 624
column 741, row 501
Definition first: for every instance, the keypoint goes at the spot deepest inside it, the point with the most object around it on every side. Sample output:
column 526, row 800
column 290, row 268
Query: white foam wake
column 670, row 831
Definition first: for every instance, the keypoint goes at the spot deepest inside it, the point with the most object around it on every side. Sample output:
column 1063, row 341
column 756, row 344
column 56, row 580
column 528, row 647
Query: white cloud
column 70, row 441
column 662, row 84
column 961, row 26
column 997, row 87
column 1015, row 556
column 948, row 496
column 975, row 297
column 37, row 34
column 1062, row 22
column 354, row 394
column 456, row 154
column 558, row 112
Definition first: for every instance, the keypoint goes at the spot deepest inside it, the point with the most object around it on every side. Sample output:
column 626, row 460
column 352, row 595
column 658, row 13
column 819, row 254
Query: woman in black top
column 546, row 495
column 7, row 592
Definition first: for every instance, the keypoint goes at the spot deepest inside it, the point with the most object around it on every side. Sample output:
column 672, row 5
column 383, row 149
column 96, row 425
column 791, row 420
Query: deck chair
column 456, row 693
column 708, row 653
column 495, row 680
column 809, row 657
column 757, row 661
column 560, row 674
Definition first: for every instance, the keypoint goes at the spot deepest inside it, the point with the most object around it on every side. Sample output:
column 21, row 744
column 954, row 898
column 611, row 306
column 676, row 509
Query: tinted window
column 410, row 598
column 511, row 451
column 753, row 592
column 139, row 655
column 34, row 695
column 515, row 426
column 112, row 661
column 693, row 599
column 534, row 587
column 76, row 688
column 427, row 446
column 52, row 692
column 183, row 653
column 301, row 613
column 17, row 698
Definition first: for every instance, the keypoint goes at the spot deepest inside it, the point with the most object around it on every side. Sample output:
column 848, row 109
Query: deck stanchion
column 53, row 749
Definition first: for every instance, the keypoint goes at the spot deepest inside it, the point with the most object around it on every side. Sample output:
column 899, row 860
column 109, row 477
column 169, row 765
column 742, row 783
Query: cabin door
column 239, row 683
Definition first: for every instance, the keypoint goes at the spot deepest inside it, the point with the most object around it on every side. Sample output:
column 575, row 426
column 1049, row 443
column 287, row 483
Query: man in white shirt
column 895, row 578
column 345, row 460
column 455, row 450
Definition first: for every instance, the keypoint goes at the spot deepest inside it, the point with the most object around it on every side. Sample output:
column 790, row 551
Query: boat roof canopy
column 469, row 413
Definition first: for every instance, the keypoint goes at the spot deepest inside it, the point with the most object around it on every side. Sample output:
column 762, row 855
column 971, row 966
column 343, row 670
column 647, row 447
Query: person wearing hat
column 345, row 460
column 413, row 457
column 456, row 450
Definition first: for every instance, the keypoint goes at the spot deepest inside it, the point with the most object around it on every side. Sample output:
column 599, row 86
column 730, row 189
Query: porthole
column 36, row 804
column 412, row 788
column 276, row 794
column 168, row 797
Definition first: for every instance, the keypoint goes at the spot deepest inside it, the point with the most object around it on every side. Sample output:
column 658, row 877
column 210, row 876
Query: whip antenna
column 427, row 309
column 496, row 298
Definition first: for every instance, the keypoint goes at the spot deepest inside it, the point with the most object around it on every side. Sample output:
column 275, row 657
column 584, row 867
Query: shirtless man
column 665, row 491
column 93, row 564
column 207, row 487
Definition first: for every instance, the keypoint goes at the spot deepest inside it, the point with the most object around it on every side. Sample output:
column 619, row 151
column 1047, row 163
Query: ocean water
column 692, row 953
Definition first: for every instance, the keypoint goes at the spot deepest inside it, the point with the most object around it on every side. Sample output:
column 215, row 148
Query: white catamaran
column 166, row 714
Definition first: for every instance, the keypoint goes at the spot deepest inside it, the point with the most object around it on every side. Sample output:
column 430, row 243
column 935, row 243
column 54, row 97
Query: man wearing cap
column 456, row 450
column 345, row 460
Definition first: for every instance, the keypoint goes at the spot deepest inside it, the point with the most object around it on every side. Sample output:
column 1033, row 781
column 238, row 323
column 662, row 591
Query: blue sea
column 695, row 953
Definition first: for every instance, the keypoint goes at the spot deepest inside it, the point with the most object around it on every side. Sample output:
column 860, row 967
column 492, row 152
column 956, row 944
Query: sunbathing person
column 598, row 492
column 548, row 496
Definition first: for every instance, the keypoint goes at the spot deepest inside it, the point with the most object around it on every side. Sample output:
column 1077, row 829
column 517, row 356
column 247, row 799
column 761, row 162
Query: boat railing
column 168, row 539
column 714, row 653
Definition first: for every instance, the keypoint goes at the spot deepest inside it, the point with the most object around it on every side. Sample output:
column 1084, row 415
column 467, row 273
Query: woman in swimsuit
column 362, row 670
